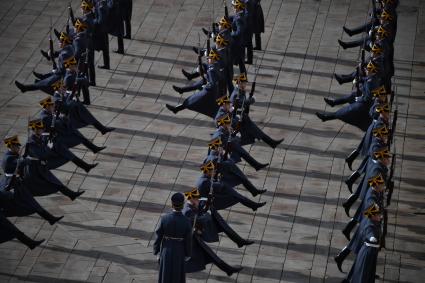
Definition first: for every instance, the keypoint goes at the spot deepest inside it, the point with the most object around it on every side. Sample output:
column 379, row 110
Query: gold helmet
column 80, row 26
column 65, row 38
column 376, row 49
column 57, row 85
column 193, row 194
column 214, row 55
column 87, row 6
column 238, row 4
column 46, row 102
column 382, row 32
column 223, row 120
column 220, row 40
column 386, row 16
column 242, row 78
column 372, row 67
column 225, row 22
column 379, row 91
column 70, row 62
column 36, row 124
column 208, row 167
column 11, row 141
column 382, row 108
column 372, row 210
column 382, row 153
column 223, row 100
column 215, row 144
column 376, row 181
column 381, row 132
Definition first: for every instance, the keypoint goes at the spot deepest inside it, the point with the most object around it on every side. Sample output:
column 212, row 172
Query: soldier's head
column 377, row 183
column 213, row 56
column 63, row 38
column 193, row 196
column 58, row 86
column 48, row 104
column 177, row 201
column 80, row 25
column 69, row 62
column 382, row 155
column 241, row 81
column 373, row 212
column 238, row 5
column 12, row 143
column 224, row 23
column 372, row 67
column 223, row 120
column 37, row 126
column 216, row 145
column 383, row 110
column 220, row 41
column 386, row 16
column 208, row 168
column 381, row 132
column 380, row 94
column 383, row 31
column 86, row 6
column 224, row 102
column 377, row 48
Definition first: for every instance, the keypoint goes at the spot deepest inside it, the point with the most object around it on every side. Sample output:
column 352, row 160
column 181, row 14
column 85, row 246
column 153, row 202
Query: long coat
column 173, row 244
column 37, row 176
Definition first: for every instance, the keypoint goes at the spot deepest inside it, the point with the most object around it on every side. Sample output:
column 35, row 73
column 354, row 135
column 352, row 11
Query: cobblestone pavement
column 107, row 235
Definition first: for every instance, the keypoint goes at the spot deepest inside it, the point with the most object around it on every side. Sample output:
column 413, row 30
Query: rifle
column 200, row 66
column 52, row 57
column 390, row 181
column 55, row 117
column 71, row 13
column 393, row 127
column 226, row 10
column 384, row 228
column 82, row 72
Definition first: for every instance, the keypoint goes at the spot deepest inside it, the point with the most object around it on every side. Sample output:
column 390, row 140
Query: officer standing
column 173, row 243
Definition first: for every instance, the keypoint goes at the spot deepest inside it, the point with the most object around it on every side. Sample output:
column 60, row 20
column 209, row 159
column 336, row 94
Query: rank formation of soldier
column 182, row 235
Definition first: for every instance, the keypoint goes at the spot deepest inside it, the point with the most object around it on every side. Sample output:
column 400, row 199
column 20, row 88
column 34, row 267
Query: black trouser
column 363, row 28
column 120, row 42
column 257, row 41
column 105, row 51
column 127, row 28
column 90, row 68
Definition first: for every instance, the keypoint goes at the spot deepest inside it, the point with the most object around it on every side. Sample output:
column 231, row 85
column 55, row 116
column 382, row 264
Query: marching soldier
column 173, row 244
column 15, row 198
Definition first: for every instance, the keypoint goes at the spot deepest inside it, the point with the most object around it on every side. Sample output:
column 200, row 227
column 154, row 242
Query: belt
column 8, row 175
column 36, row 159
column 372, row 245
column 173, row 238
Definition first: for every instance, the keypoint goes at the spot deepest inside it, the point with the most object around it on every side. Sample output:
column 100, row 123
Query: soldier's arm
column 159, row 235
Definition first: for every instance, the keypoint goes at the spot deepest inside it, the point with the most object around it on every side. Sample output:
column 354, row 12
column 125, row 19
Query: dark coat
column 257, row 25
column 172, row 252
column 364, row 267
column 115, row 20
column 37, row 176
column 205, row 225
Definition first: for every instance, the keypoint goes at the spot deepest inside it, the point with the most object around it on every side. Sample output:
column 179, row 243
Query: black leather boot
column 175, row 109
column 329, row 101
column 83, row 165
column 348, row 228
column 348, row 203
column 69, row 193
column 190, row 76
column 339, row 258
column 350, row 159
column 350, row 181
column 30, row 243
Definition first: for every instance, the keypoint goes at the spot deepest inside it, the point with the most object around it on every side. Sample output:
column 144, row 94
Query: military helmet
column 379, row 91
column 242, row 78
column 11, row 141
column 57, row 85
column 386, row 15
column 225, row 22
column 215, row 143
column 377, row 48
column 36, row 124
column 382, row 108
column 46, row 102
column 220, row 40
column 86, row 5
column 214, row 55
column 372, row 67
column 193, row 194
column 376, row 181
column 208, row 167
column 71, row 61
column 223, row 120
column 372, row 210
column 80, row 25
column 223, row 100
column 383, row 31
column 381, row 132
column 238, row 4
column 381, row 153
